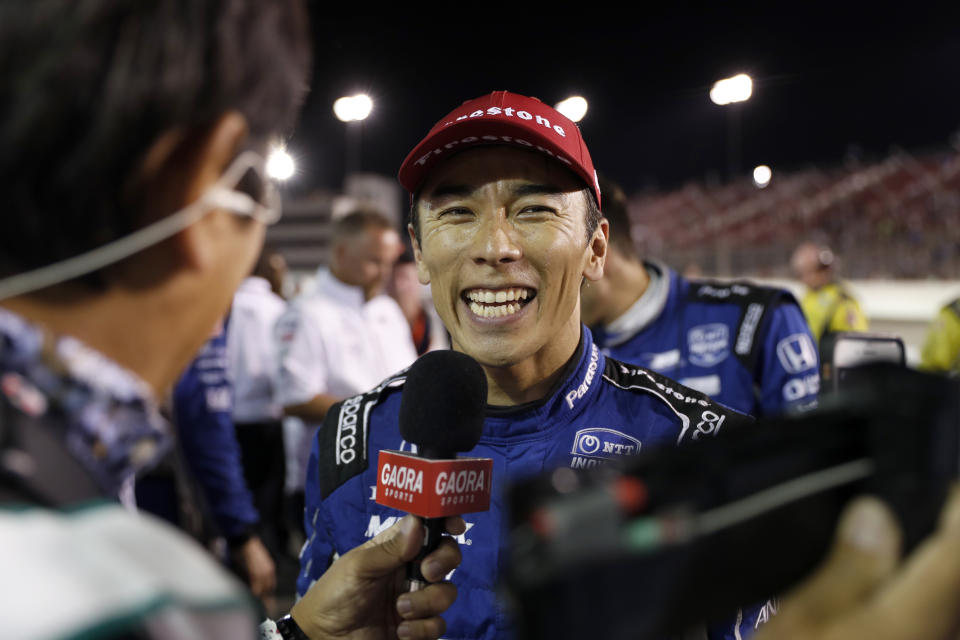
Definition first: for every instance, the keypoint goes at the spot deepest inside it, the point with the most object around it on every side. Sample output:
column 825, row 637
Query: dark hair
column 86, row 87
column 591, row 217
column 357, row 222
column 617, row 215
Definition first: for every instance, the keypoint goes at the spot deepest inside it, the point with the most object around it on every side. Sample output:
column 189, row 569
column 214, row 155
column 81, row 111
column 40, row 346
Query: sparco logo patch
column 709, row 344
column 347, row 441
column 796, row 353
column 590, row 446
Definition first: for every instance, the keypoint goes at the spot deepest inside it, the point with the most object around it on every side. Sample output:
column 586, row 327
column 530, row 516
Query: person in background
column 744, row 345
column 827, row 304
column 275, row 272
column 202, row 406
column 941, row 349
column 347, row 335
column 251, row 364
column 426, row 328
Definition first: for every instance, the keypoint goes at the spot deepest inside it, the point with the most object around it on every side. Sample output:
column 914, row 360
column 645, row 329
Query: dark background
column 832, row 82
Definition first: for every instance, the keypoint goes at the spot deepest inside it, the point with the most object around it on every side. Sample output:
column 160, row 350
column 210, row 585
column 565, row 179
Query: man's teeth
column 487, row 303
column 503, row 295
column 494, row 311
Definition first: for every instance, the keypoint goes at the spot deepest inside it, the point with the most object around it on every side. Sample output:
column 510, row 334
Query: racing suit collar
column 568, row 398
column 646, row 309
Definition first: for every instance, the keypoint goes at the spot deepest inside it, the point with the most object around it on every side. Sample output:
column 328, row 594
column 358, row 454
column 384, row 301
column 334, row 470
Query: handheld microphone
column 441, row 412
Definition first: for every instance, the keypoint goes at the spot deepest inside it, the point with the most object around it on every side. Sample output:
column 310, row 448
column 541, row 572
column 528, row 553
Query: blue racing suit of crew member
column 599, row 409
column 202, row 402
column 744, row 345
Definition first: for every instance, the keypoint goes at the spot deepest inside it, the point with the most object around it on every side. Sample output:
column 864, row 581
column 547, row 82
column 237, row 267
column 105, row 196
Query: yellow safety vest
column 941, row 350
column 831, row 309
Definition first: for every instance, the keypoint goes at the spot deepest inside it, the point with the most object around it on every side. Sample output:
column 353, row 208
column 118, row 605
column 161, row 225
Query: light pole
column 731, row 92
column 353, row 110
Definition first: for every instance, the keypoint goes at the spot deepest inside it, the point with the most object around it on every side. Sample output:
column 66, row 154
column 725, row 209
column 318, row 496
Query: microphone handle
column 433, row 529
column 433, row 533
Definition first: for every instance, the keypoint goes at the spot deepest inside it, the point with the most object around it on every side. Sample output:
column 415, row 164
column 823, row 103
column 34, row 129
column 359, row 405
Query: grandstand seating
column 894, row 218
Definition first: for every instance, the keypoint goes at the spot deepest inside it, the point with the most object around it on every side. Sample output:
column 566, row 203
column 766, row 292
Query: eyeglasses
column 244, row 190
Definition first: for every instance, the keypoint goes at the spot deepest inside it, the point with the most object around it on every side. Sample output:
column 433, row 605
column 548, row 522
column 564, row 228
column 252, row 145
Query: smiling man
column 506, row 226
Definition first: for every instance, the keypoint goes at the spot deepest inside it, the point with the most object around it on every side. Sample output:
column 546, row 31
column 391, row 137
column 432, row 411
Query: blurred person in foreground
column 426, row 328
column 505, row 227
column 941, row 348
column 864, row 589
column 744, row 345
column 133, row 137
column 347, row 335
column 827, row 304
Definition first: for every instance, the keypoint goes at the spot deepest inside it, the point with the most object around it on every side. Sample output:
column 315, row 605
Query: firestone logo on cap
column 501, row 118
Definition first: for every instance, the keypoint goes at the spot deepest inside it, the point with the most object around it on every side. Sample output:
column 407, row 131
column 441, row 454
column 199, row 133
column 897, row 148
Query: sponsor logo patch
column 378, row 525
column 748, row 328
column 709, row 385
column 722, row 293
column 575, row 394
column 797, row 388
column 347, row 440
column 661, row 361
column 709, row 425
column 709, row 344
column 797, row 353
column 591, row 446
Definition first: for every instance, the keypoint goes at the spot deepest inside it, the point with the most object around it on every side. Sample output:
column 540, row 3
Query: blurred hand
column 259, row 567
column 362, row 597
column 863, row 590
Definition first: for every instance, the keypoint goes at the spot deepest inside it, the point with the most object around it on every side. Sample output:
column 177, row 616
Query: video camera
column 679, row 537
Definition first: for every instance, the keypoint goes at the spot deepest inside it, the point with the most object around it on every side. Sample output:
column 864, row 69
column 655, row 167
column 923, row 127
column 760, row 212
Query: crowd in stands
column 888, row 219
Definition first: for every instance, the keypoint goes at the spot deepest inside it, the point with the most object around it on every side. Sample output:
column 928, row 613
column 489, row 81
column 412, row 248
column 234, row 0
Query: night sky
column 828, row 83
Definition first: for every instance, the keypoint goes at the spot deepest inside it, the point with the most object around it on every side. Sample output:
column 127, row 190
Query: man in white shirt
column 346, row 336
column 252, row 366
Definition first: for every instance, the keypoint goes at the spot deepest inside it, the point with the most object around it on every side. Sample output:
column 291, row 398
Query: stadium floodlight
column 738, row 88
column 280, row 164
column 574, row 107
column 761, row 176
column 353, row 108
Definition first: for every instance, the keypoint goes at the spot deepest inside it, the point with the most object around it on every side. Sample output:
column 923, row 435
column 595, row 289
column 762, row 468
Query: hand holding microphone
column 441, row 412
column 363, row 594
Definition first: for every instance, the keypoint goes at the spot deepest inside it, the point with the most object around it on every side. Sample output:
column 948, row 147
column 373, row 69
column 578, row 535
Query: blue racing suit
column 599, row 409
column 202, row 404
column 744, row 345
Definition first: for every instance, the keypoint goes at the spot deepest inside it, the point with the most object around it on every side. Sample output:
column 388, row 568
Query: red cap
column 501, row 118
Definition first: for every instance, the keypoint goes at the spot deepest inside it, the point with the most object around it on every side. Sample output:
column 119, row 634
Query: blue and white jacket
column 744, row 345
column 599, row 409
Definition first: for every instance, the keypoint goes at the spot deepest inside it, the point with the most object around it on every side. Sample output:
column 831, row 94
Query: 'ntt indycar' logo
column 592, row 446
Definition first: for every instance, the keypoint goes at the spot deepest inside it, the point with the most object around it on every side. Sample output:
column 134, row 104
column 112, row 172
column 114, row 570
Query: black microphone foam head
column 443, row 403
